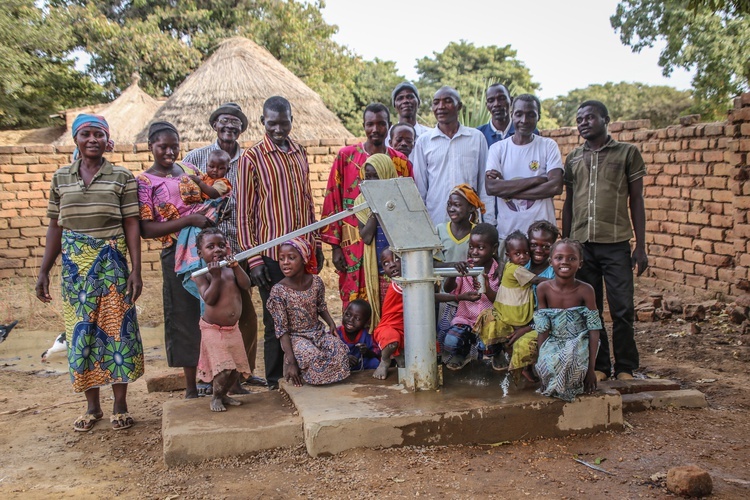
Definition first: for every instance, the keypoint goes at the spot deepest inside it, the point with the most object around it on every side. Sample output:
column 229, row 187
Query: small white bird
column 60, row 344
column 5, row 330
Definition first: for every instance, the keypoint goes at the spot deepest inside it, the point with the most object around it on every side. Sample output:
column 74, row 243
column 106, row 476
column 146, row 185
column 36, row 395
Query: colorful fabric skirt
column 104, row 342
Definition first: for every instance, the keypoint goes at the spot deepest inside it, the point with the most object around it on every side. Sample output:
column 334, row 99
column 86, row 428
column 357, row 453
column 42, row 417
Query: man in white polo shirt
column 524, row 171
column 448, row 155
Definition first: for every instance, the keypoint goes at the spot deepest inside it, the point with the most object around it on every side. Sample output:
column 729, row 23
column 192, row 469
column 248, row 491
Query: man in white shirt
column 449, row 155
column 524, row 171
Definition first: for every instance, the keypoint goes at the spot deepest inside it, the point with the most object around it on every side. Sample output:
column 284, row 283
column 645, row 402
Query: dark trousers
column 609, row 264
column 273, row 355
column 248, row 324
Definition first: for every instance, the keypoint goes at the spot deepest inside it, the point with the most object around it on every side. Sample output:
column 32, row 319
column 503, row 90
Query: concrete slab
column 469, row 409
column 686, row 398
column 192, row 432
column 637, row 385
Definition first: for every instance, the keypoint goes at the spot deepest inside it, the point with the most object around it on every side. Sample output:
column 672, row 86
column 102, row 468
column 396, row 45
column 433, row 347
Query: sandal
column 204, row 389
column 86, row 422
column 121, row 421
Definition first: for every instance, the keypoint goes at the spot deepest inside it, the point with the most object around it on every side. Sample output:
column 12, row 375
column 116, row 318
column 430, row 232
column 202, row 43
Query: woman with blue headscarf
column 94, row 224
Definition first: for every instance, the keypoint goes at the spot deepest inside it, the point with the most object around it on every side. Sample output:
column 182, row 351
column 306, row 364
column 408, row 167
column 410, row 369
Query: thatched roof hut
column 243, row 72
column 126, row 115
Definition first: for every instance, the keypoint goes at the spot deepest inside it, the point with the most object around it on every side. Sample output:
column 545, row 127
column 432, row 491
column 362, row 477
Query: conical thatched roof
column 126, row 115
column 243, row 72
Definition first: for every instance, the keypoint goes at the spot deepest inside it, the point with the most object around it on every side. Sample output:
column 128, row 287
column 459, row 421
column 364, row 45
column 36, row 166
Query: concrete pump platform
column 474, row 406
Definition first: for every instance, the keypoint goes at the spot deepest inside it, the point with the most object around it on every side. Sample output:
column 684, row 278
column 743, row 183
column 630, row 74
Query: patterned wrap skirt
column 104, row 342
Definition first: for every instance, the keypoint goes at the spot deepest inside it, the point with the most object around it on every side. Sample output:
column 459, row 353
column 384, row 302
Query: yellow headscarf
column 383, row 165
column 469, row 194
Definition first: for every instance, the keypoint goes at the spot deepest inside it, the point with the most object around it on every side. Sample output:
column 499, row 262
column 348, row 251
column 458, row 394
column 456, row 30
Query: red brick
column 684, row 156
column 722, row 196
column 719, row 260
column 689, row 230
column 654, row 191
column 713, row 129
column 700, row 194
column 718, row 286
column 700, row 169
column 674, row 253
column 671, row 192
column 12, row 149
column 662, row 239
column 695, row 281
column 662, row 158
column 664, row 180
column 684, row 266
column 722, row 221
column 715, row 182
column 683, row 241
column 715, row 234
column 672, row 145
column 697, row 218
column 703, row 246
column 693, row 256
column 664, row 263
column 711, row 156
column 675, row 216
column 698, row 144
column 723, row 248
column 742, row 230
column 28, row 177
column 706, row 270
column 14, row 253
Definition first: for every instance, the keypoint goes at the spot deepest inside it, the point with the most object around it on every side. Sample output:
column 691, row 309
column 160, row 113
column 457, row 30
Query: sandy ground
column 44, row 458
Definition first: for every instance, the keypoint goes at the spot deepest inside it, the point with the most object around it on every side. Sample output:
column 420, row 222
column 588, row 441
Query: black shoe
column 256, row 381
column 273, row 386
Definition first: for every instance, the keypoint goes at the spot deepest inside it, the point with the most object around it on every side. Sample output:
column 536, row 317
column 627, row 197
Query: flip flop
column 121, row 421
column 204, row 389
column 88, row 420
column 256, row 381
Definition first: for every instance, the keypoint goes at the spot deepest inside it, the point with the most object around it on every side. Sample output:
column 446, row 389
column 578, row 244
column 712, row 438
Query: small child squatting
column 222, row 357
column 389, row 334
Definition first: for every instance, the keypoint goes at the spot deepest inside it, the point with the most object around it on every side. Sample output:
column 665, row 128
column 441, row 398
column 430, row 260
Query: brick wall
column 697, row 197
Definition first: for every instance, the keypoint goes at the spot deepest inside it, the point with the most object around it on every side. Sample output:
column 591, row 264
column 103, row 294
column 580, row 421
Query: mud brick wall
column 697, row 196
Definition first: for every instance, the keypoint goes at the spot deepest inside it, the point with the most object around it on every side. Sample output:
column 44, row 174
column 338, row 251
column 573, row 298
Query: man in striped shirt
column 273, row 198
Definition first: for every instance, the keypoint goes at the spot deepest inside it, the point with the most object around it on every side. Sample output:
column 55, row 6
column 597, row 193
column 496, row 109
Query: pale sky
column 566, row 44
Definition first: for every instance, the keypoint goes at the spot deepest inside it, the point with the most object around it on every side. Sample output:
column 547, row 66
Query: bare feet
column 528, row 374
column 381, row 372
column 238, row 389
column 230, row 401
column 217, row 404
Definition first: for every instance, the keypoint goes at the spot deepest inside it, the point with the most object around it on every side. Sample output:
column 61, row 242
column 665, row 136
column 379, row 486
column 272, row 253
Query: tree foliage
column 470, row 70
column 709, row 37
column 36, row 77
column 165, row 40
column 625, row 101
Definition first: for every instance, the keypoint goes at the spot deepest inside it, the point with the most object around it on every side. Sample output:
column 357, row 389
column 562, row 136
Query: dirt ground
column 43, row 457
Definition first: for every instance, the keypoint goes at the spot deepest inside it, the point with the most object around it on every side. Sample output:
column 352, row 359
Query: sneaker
column 500, row 361
column 600, row 376
column 624, row 376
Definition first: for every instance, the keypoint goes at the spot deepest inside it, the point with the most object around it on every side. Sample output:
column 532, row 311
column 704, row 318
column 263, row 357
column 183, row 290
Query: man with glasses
column 229, row 122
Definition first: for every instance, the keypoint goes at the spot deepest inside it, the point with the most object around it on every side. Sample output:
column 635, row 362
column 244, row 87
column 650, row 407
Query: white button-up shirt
column 442, row 163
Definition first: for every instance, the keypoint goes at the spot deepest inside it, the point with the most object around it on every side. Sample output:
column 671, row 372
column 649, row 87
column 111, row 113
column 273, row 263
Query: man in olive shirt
column 604, row 193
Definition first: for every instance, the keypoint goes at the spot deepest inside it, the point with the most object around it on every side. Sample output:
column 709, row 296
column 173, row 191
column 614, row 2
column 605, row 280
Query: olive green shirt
column 600, row 181
column 99, row 209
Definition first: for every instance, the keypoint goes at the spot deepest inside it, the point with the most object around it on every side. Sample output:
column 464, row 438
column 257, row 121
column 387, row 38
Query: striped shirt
column 600, row 181
column 97, row 209
column 273, row 196
column 442, row 163
column 199, row 158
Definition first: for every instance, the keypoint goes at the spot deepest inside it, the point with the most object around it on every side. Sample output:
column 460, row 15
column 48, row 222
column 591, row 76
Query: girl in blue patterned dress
column 568, row 325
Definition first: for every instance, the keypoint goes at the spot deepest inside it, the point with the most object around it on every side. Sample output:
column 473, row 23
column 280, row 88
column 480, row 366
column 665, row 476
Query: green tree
column 470, row 70
column 709, row 37
column 625, row 101
column 36, row 76
column 165, row 40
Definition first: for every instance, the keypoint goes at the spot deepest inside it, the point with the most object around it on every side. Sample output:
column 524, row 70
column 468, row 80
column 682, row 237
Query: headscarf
column 157, row 127
column 86, row 120
column 96, row 121
column 469, row 194
column 383, row 165
column 306, row 251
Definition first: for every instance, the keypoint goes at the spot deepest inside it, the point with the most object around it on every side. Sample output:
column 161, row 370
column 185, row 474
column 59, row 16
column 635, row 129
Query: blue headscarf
column 86, row 120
